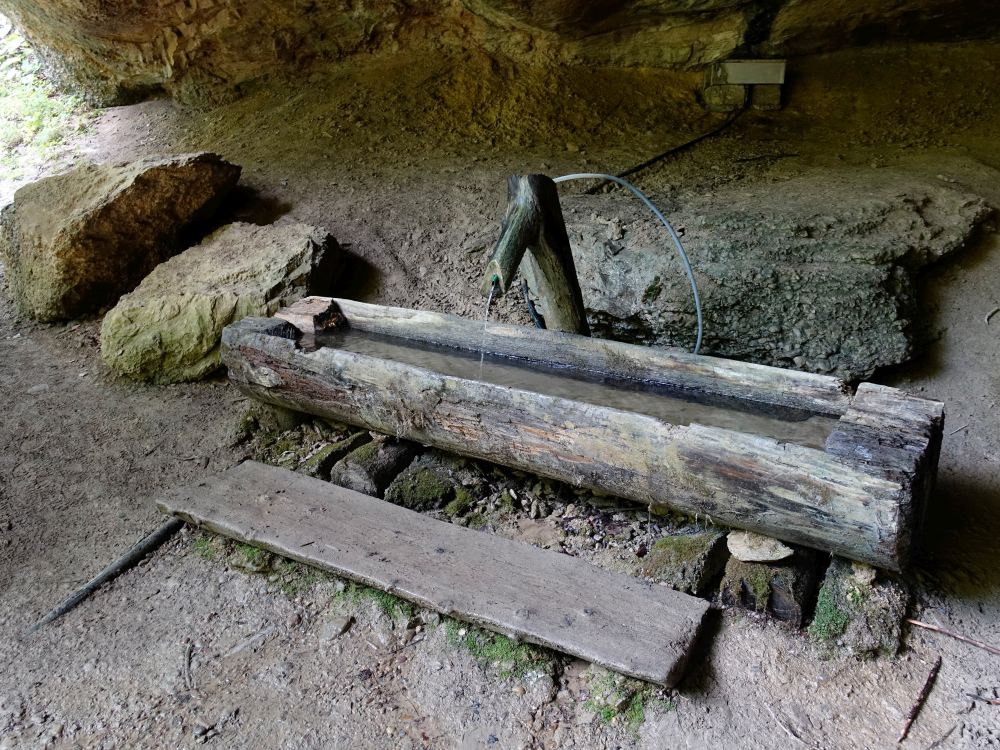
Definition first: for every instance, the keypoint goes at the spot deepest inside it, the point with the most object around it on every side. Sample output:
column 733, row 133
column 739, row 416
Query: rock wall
column 205, row 50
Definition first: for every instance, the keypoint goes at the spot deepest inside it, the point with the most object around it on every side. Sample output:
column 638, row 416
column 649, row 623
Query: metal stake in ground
column 115, row 569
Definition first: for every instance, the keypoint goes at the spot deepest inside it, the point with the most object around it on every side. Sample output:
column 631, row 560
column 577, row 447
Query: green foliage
column 34, row 116
column 514, row 659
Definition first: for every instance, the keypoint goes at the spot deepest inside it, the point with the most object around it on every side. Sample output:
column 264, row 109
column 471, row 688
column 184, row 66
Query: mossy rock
column 461, row 504
column 432, row 482
column 783, row 590
column 319, row 463
column 420, row 489
column 859, row 610
column 686, row 562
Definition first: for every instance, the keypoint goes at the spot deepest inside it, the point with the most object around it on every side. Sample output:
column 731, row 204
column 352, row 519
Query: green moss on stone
column 478, row 521
column 859, row 610
column 830, row 621
column 462, row 502
column 365, row 453
column 320, row 462
column 420, row 488
column 514, row 659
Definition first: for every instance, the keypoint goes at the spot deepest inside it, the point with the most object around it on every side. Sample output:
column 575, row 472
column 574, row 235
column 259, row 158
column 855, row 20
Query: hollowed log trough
column 860, row 497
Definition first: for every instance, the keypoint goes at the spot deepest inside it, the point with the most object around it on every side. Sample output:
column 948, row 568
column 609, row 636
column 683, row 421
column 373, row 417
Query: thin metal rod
column 128, row 560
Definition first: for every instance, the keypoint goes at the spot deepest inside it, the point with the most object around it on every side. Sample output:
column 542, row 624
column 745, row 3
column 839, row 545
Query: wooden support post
column 534, row 222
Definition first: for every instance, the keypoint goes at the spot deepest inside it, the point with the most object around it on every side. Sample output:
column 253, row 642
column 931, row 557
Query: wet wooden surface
column 819, row 394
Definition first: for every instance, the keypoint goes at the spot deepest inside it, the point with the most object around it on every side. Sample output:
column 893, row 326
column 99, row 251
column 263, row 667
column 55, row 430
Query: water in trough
column 673, row 405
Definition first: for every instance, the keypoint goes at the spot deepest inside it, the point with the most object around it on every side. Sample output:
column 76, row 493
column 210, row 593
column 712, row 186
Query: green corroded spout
column 534, row 222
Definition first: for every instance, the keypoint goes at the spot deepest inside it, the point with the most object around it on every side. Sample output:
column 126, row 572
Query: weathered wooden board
column 623, row 623
column 895, row 436
column 787, row 491
column 819, row 394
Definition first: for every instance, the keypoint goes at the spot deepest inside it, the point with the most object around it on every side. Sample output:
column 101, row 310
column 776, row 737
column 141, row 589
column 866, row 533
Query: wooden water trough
column 858, row 490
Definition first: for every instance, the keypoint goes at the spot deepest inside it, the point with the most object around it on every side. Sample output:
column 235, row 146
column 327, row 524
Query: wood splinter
column 957, row 636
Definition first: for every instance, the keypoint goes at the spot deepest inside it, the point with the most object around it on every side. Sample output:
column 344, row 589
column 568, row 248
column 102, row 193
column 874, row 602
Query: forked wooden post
column 534, row 223
column 861, row 497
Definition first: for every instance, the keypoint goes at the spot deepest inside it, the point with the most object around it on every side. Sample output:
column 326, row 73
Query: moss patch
column 421, row 489
column 830, row 621
column 209, row 547
column 513, row 659
column 614, row 697
column 859, row 611
column 653, row 291
column 478, row 521
column 390, row 605
column 462, row 502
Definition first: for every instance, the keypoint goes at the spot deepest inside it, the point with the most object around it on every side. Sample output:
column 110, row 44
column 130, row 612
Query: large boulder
column 168, row 330
column 812, row 273
column 76, row 241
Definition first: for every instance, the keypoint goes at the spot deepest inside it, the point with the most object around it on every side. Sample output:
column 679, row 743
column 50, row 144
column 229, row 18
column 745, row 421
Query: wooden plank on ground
column 543, row 597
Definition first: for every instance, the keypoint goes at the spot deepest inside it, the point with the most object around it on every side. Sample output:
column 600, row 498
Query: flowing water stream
column 675, row 406
column 486, row 320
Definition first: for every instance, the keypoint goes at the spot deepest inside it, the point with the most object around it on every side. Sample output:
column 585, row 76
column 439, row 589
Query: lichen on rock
column 168, row 330
column 75, row 242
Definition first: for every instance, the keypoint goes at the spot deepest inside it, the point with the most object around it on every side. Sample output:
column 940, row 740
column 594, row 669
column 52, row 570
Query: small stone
column 781, row 589
column 750, row 547
column 686, row 562
column 335, row 627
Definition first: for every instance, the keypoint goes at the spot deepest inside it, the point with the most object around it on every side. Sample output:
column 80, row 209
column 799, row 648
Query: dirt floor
column 404, row 161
